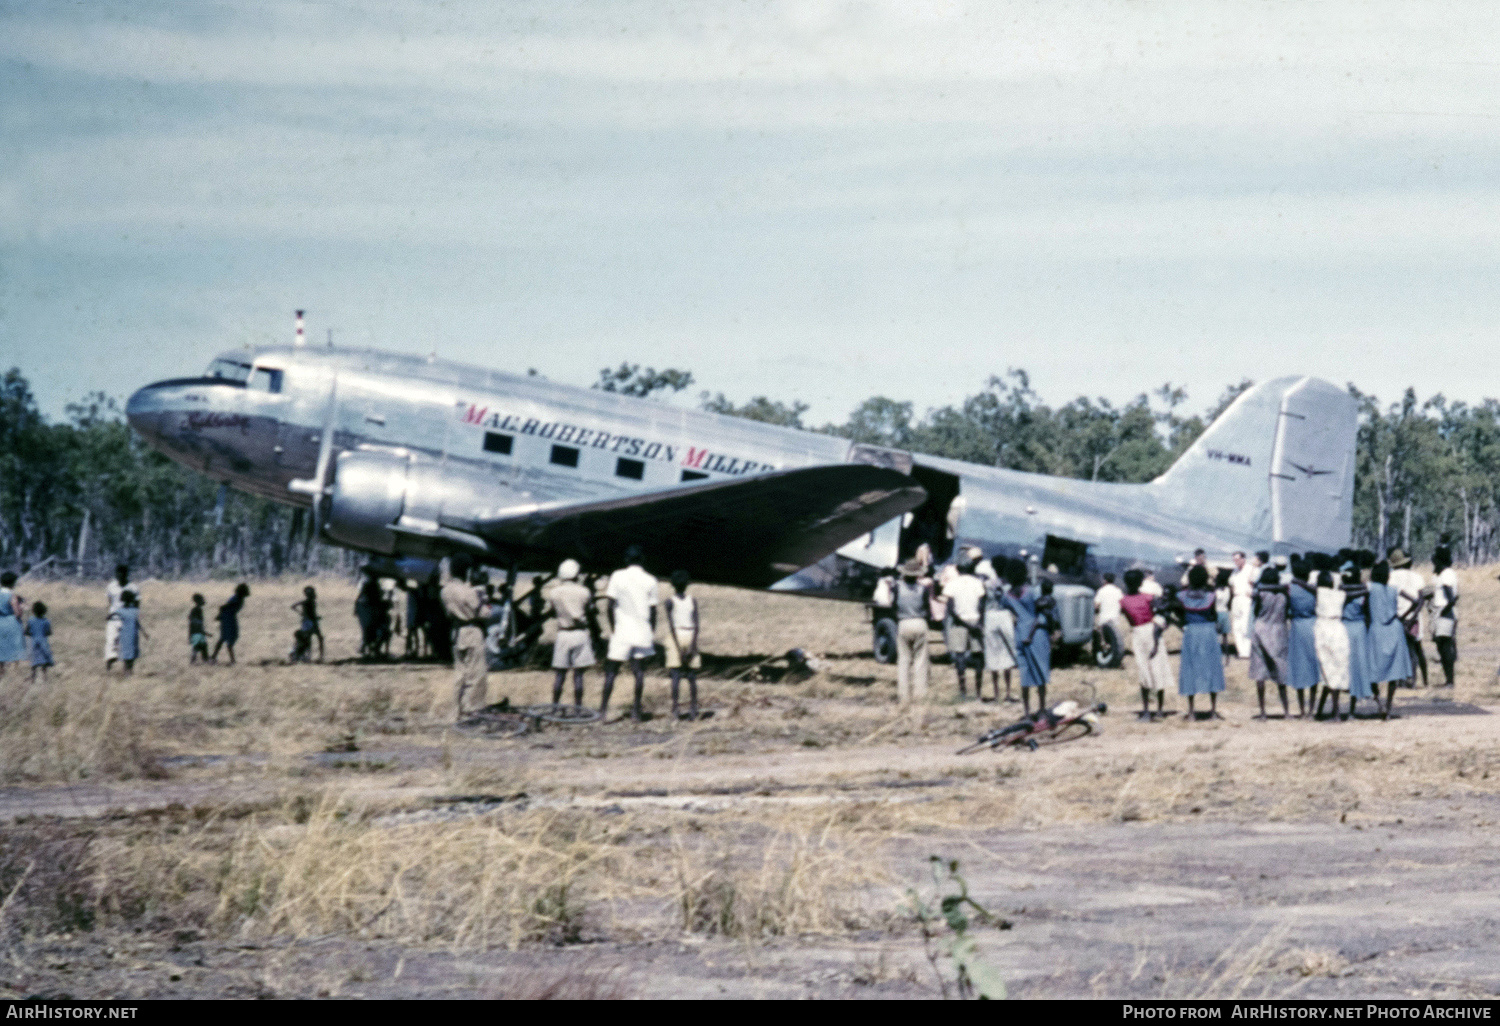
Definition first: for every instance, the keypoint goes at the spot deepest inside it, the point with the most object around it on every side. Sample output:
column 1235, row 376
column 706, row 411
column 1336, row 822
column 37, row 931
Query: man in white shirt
column 631, row 604
column 114, row 592
column 964, row 593
column 1241, row 601
column 1107, row 610
column 1409, row 602
column 1149, row 584
column 1445, row 612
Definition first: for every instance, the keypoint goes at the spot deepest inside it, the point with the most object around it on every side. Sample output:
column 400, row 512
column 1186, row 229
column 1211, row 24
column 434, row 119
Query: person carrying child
column 39, row 630
column 682, row 642
column 197, row 633
column 131, row 632
column 229, row 622
column 308, row 628
column 1146, row 644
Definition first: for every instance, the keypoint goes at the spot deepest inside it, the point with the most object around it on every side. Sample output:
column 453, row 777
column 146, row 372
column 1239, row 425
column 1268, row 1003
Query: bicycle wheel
column 566, row 715
column 494, row 724
column 1070, row 731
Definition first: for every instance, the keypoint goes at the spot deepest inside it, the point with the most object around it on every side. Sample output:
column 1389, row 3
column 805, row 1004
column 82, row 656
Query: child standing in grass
column 39, row 630
column 131, row 631
column 197, row 635
column 682, row 642
column 308, row 629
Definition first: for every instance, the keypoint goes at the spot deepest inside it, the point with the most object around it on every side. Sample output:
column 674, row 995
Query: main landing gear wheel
column 564, row 715
column 885, row 641
column 1109, row 650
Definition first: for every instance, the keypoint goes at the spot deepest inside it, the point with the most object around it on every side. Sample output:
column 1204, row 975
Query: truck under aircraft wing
column 400, row 456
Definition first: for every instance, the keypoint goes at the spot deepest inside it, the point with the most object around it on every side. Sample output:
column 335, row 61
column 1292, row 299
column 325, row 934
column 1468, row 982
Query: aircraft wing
column 750, row 532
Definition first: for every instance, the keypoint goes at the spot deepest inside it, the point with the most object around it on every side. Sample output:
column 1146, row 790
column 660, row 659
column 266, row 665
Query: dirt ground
column 276, row 830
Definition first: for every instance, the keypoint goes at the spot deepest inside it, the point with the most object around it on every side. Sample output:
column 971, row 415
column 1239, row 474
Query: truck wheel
column 885, row 641
column 1109, row 651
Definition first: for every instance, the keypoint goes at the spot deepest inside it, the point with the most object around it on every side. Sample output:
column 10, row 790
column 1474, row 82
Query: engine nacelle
column 433, row 503
column 366, row 498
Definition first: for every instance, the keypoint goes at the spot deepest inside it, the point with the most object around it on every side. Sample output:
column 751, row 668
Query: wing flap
column 743, row 532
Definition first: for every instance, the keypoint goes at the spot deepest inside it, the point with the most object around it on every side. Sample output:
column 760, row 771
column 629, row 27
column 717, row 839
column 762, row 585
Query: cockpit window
column 266, row 379
column 229, row 369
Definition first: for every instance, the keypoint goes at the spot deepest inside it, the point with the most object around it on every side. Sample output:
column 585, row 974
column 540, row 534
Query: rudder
column 1275, row 470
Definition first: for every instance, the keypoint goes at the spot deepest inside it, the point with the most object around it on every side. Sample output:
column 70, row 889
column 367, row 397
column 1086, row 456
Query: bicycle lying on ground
column 501, row 720
column 1067, row 721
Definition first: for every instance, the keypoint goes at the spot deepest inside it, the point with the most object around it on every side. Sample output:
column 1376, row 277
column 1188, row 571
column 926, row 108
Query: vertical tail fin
column 1275, row 470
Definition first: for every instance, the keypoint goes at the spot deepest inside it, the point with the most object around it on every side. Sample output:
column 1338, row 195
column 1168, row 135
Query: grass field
column 267, row 828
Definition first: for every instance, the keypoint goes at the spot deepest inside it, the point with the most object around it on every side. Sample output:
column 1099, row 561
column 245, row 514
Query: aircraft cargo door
column 931, row 522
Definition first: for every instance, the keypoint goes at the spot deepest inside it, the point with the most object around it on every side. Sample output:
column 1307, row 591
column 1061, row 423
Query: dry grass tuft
column 803, row 882
column 475, row 883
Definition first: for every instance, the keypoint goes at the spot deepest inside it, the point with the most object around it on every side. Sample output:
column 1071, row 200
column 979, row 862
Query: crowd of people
column 1324, row 627
column 1321, row 626
column 630, row 601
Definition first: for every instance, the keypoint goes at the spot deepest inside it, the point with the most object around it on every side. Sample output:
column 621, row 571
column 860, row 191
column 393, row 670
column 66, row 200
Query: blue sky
column 814, row 201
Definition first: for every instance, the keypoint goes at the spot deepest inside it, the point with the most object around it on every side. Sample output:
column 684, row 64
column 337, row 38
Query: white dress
column 1332, row 639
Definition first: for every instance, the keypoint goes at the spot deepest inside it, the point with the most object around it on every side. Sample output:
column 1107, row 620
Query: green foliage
column 945, row 920
column 760, row 408
column 1425, row 469
column 139, row 506
column 631, row 379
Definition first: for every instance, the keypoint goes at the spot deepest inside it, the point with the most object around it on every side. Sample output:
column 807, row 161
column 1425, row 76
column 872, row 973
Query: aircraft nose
column 145, row 409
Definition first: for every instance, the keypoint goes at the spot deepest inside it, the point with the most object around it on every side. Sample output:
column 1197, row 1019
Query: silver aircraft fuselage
column 424, row 457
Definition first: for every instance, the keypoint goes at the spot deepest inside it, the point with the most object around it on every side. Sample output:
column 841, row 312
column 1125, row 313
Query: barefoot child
column 308, row 628
column 682, row 642
column 39, row 629
column 197, row 636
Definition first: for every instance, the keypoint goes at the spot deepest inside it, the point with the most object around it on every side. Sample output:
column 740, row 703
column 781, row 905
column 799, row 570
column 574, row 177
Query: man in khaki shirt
column 574, row 648
column 467, row 613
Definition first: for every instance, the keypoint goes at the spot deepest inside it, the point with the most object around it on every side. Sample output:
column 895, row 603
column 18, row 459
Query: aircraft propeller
column 317, row 485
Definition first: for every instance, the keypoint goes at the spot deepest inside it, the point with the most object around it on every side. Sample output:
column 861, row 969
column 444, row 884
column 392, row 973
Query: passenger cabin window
column 229, row 370
column 565, row 456
column 693, row 475
column 266, row 379
column 633, row 469
column 498, row 443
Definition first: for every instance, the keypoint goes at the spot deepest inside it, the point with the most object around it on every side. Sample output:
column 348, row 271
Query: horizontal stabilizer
column 749, row 532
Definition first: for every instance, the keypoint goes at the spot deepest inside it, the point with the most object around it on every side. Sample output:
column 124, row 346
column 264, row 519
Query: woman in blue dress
column 1388, row 656
column 12, row 640
column 1202, row 668
column 131, row 631
column 1033, row 642
column 1357, row 624
column 1302, row 648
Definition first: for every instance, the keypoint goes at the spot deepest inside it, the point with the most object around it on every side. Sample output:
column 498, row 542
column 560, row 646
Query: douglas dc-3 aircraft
column 415, row 459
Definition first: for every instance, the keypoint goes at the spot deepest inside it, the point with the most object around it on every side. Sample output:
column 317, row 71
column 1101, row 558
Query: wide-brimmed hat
column 912, row 568
column 1398, row 559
